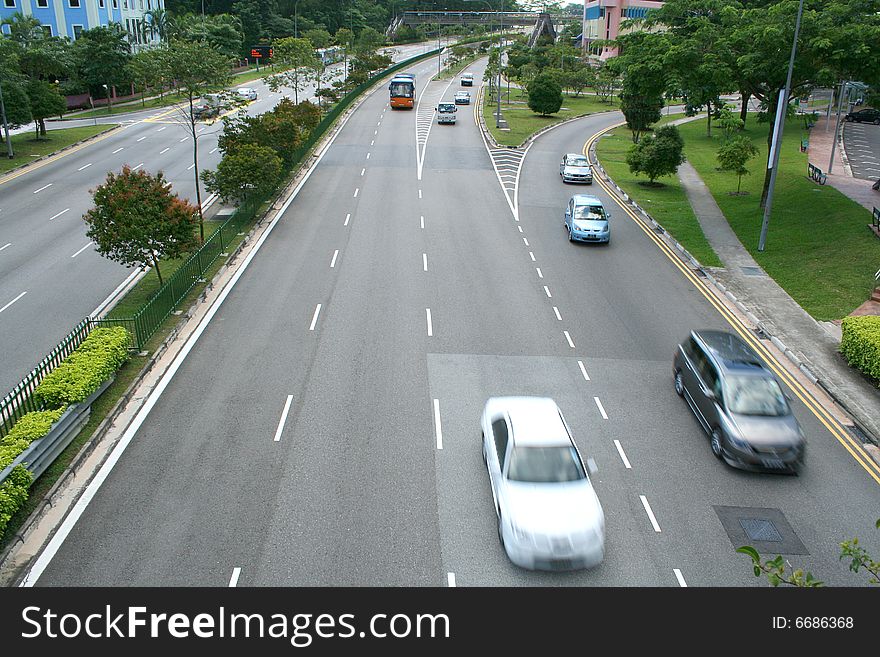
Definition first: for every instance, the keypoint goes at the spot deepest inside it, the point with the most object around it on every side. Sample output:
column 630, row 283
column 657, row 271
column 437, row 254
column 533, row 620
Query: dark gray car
column 738, row 402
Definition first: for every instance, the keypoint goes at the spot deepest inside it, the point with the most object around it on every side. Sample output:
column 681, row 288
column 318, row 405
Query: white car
column 247, row 93
column 549, row 517
column 575, row 168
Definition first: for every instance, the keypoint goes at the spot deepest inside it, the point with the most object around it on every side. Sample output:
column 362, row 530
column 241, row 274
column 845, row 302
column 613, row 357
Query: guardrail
column 816, row 174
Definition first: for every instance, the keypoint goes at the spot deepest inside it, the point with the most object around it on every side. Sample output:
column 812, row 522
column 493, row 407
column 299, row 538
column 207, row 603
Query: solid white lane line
column 583, row 370
column 622, row 455
column 532, row 256
column 81, row 250
column 547, row 290
column 164, row 150
column 5, row 245
column 568, row 337
column 13, row 301
column 347, row 217
column 283, row 418
column 236, row 572
column 558, row 316
column 540, row 275
column 315, row 317
column 138, row 166
column 425, row 261
column 119, row 149
column 363, row 171
column 333, row 260
column 420, row 193
column 85, row 166
column 142, row 138
column 190, row 167
column 162, row 128
column 525, row 241
column 212, row 150
column 430, row 323
column 356, row 191
column 437, row 428
column 680, row 578
column 450, row 580
column 59, row 214
column 422, row 222
column 37, row 191
column 650, row 513
column 601, row 408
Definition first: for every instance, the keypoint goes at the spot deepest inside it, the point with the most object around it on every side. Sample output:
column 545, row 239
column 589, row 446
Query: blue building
column 68, row 18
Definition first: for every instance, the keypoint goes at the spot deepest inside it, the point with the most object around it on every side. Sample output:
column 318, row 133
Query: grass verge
column 27, row 148
column 668, row 204
column 818, row 246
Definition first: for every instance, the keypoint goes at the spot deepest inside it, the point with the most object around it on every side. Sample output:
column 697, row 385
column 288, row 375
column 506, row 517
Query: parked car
column 462, row 98
column 586, row 220
column 867, row 115
column 446, row 112
column 576, row 168
column 738, row 402
column 247, row 93
column 549, row 516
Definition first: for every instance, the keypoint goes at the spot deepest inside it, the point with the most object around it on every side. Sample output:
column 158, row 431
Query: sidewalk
column 793, row 330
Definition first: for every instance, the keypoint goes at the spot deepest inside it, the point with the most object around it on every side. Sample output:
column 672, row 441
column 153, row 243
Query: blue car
column 586, row 220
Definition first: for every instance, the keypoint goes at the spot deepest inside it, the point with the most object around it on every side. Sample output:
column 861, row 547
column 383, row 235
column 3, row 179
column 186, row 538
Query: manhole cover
column 759, row 529
column 752, row 271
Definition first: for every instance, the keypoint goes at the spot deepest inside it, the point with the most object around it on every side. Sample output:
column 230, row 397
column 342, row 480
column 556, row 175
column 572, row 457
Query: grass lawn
column 818, row 248
column 128, row 108
column 667, row 204
column 523, row 122
column 27, row 148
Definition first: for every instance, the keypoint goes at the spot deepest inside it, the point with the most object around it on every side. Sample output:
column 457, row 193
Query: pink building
column 606, row 19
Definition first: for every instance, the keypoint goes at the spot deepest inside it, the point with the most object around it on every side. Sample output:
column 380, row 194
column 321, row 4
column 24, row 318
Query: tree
column 102, row 55
column 318, row 37
column 197, row 69
column 137, row 220
column 17, row 104
column 251, row 171
column 607, row 80
column 578, row 80
column 294, row 61
column 368, row 40
column 641, row 112
column 644, row 79
column 44, row 101
column 657, row 154
column 160, row 22
column 344, row 37
column 545, row 95
column 149, row 69
column 733, row 155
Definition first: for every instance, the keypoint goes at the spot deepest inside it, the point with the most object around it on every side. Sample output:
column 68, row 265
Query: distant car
column 586, row 220
column 467, row 79
column 575, row 168
column 549, row 516
column 867, row 115
column 205, row 110
column 462, row 98
column 738, row 402
column 247, row 93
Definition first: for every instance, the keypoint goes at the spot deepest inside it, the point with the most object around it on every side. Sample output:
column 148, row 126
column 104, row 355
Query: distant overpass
column 539, row 21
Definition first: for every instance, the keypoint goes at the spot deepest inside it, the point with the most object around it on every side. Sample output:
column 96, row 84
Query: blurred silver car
column 575, row 168
column 247, row 93
column 549, row 517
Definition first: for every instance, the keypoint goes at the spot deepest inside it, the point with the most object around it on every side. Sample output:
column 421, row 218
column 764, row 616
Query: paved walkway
column 814, row 344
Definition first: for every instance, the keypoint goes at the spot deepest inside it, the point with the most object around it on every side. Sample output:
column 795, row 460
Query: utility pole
column 777, row 132
column 5, row 125
column 843, row 86
column 500, row 55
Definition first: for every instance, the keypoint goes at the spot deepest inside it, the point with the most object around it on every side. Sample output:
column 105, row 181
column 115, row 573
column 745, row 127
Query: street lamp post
column 777, row 136
column 843, row 87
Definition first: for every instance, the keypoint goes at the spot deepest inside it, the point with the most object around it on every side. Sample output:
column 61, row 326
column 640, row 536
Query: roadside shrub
column 81, row 373
column 13, row 494
column 860, row 344
column 28, row 428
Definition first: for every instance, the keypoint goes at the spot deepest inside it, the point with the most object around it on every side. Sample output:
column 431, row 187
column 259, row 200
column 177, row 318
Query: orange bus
column 403, row 92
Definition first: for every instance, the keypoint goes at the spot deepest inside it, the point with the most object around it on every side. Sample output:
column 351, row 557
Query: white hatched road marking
column 425, row 119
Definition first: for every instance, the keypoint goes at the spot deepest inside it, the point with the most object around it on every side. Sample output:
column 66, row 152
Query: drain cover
column 759, row 529
column 752, row 271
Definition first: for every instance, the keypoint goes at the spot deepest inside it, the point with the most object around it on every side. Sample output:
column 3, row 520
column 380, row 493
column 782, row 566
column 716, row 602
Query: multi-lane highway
column 324, row 429
column 50, row 275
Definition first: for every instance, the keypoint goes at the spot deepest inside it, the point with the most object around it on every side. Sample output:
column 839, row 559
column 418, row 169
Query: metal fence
column 150, row 317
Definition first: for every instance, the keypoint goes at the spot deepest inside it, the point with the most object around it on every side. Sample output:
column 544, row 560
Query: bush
column 81, row 373
column 28, row 428
column 657, row 155
column 13, row 494
column 545, row 95
column 860, row 344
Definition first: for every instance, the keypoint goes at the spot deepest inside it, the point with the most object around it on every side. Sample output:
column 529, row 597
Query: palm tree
column 24, row 29
column 160, row 22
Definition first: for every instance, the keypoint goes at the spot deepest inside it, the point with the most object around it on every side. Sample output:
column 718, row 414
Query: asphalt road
column 861, row 141
column 398, row 283
column 50, row 275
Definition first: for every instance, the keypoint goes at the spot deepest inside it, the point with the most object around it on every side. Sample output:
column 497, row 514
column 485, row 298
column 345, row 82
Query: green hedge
column 13, row 493
column 28, row 428
column 860, row 344
column 81, row 373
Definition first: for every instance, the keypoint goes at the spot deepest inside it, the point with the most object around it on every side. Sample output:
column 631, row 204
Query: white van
column 446, row 112
column 467, row 79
